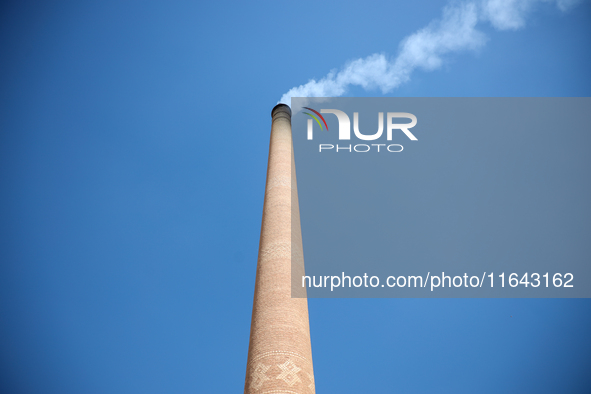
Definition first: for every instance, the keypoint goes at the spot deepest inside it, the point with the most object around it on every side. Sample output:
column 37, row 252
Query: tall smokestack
column 280, row 352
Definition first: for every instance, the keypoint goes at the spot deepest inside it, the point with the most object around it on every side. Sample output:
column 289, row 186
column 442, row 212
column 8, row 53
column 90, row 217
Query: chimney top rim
column 281, row 108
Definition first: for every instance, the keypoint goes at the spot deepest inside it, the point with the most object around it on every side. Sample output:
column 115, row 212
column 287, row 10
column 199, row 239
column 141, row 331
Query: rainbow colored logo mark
column 315, row 118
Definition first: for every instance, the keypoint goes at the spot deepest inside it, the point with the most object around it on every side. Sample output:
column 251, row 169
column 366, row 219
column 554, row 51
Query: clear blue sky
column 134, row 140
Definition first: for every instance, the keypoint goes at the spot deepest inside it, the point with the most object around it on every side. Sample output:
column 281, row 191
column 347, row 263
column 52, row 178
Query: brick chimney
column 280, row 352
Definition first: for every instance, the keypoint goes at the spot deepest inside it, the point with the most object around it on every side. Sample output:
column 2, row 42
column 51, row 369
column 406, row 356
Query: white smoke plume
column 454, row 32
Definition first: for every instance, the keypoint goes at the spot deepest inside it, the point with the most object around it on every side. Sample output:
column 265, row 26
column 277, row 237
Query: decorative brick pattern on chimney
column 280, row 353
